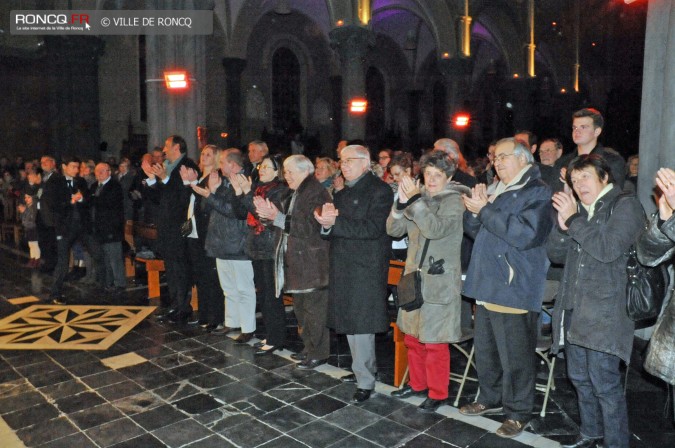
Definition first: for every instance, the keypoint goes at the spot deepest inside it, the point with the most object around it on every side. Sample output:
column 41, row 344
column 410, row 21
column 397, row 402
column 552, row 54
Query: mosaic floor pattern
column 69, row 327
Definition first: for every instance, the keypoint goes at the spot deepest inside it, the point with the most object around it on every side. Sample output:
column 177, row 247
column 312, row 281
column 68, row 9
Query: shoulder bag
column 409, row 289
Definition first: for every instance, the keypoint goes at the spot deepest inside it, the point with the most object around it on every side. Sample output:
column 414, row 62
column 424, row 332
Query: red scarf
column 261, row 190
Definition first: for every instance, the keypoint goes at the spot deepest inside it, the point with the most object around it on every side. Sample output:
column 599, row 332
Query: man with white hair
column 301, row 246
column 510, row 229
column 355, row 225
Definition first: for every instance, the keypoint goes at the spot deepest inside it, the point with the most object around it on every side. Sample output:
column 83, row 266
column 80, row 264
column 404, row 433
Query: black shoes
column 361, row 395
column 351, row 378
column 584, row 442
column 310, row 364
column 299, row 356
column 408, row 391
column 58, row 300
column 266, row 350
column 431, row 405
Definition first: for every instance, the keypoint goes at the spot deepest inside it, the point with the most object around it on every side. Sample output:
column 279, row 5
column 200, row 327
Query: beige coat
column 438, row 219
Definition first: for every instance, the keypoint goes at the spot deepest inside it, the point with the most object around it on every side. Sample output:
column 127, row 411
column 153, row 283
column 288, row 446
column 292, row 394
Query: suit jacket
column 173, row 199
column 107, row 211
column 52, row 200
column 74, row 217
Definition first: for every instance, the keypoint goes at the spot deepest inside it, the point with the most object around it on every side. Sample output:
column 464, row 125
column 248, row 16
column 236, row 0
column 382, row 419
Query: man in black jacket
column 107, row 214
column 165, row 187
column 73, row 196
column 587, row 126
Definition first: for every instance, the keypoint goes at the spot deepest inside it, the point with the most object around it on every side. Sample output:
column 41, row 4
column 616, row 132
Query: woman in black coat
column 592, row 240
column 260, row 244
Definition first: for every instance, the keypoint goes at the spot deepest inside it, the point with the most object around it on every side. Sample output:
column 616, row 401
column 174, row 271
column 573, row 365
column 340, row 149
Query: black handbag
column 186, row 228
column 409, row 289
column 646, row 288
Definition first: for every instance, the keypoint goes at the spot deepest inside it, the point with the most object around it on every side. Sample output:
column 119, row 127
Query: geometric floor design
column 69, row 327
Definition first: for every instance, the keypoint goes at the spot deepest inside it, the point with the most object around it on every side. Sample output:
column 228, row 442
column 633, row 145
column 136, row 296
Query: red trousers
column 429, row 367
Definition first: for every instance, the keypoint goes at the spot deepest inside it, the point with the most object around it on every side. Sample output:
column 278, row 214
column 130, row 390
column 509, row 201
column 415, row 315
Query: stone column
column 177, row 112
column 75, row 127
column 233, row 69
column 352, row 44
column 657, row 132
column 456, row 74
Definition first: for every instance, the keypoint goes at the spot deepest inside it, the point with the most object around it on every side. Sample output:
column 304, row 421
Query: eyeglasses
column 501, row 157
column 384, row 157
column 547, row 151
column 351, row 160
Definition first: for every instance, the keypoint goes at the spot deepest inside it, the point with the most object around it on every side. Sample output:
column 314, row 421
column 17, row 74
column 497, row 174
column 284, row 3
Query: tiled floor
column 162, row 385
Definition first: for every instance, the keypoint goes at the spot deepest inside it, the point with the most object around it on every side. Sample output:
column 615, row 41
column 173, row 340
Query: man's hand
column 77, row 197
column 159, row 171
column 147, row 169
column 327, row 216
column 565, row 205
column 478, row 199
column 244, row 182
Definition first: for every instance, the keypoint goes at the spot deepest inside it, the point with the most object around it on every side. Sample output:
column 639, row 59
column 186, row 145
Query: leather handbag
column 409, row 289
column 645, row 290
column 646, row 286
column 186, row 228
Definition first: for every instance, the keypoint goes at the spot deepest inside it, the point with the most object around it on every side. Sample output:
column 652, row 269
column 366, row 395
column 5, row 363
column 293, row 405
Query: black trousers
column 311, row 309
column 272, row 307
column 506, row 360
column 47, row 243
column 205, row 276
column 179, row 284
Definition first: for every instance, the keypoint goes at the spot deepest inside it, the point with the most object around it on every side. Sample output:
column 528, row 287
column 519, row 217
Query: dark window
column 285, row 90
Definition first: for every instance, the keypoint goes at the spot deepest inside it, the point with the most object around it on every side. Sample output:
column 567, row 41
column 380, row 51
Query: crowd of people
column 248, row 227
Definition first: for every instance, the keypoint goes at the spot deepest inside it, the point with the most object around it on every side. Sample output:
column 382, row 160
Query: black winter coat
column 593, row 285
column 359, row 258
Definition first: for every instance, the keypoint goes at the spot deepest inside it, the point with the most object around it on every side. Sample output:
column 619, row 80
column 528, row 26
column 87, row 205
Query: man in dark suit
column 52, row 199
column 165, row 187
column 73, row 195
column 359, row 262
column 107, row 215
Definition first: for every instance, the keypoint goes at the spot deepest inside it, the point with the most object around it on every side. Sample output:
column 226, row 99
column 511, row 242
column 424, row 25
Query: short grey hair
column 518, row 148
column 300, row 162
column 361, row 151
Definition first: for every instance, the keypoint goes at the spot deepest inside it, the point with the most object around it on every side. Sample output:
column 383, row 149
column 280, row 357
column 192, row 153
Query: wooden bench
column 396, row 269
column 153, row 266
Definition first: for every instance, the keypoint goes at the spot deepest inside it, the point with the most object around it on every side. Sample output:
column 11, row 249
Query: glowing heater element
column 177, row 80
column 461, row 120
column 358, row 106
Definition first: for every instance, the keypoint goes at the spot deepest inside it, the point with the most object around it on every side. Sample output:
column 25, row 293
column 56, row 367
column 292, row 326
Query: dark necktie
column 98, row 189
column 70, row 184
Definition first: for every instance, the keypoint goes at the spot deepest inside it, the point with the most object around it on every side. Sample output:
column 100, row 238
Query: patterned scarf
column 261, row 190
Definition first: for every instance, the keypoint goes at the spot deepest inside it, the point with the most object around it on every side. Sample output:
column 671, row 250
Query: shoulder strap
column 424, row 254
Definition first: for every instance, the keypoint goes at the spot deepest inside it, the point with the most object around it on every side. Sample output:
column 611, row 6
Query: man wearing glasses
column 355, row 225
column 506, row 276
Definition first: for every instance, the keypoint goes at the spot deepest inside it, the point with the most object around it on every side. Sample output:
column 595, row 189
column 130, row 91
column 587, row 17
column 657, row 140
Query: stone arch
column 506, row 37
